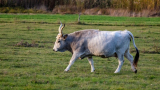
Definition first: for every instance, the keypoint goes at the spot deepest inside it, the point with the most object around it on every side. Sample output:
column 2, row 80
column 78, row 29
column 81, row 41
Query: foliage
column 40, row 68
column 19, row 10
column 132, row 5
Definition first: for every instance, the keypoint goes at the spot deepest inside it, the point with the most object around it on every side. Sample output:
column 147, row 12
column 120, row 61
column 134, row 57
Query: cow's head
column 60, row 42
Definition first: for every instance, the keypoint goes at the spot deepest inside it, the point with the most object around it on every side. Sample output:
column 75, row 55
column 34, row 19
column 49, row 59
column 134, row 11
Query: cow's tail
column 137, row 54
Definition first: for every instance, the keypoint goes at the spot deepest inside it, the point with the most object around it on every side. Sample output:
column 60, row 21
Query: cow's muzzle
column 54, row 50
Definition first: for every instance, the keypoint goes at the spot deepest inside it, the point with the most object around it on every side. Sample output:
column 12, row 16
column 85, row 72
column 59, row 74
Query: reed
column 130, row 7
column 133, row 5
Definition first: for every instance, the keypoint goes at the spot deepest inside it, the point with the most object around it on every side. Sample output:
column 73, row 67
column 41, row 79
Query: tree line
column 132, row 5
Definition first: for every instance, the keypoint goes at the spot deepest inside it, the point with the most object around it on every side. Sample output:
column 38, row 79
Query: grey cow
column 88, row 43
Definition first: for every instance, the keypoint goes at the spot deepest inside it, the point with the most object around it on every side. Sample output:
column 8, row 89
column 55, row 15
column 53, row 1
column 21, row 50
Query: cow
column 91, row 42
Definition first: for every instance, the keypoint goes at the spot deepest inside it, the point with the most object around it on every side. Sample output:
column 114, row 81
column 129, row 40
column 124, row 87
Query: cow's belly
column 102, row 48
column 104, row 52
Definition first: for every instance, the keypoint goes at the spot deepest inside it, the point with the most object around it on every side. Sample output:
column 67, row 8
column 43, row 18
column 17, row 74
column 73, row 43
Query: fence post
column 79, row 18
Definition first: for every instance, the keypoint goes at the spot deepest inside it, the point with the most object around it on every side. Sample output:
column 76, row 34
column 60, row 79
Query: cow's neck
column 68, row 43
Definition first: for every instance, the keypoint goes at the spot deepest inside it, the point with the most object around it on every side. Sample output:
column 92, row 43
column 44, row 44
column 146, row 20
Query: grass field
column 85, row 19
column 35, row 66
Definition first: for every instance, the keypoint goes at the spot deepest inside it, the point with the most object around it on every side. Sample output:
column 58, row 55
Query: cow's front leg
column 91, row 63
column 73, row 59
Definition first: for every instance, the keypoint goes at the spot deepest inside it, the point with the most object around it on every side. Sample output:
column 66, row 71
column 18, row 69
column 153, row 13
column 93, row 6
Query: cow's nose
column 54, row 50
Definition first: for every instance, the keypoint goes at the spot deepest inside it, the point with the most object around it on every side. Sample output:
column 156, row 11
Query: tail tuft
column 136, row 58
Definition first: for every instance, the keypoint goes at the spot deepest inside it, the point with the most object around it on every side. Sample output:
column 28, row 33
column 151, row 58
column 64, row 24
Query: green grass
column 84, row 19
column 41, row 68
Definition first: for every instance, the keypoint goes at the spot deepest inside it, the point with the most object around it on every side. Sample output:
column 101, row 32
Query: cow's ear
column 65, row 36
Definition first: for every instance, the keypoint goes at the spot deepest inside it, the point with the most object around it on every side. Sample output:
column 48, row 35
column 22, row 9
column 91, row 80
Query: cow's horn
column 61, row 28
column 60, row 32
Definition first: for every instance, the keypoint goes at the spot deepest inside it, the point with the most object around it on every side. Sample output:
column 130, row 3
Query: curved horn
column 61, row 28
column 60, row 31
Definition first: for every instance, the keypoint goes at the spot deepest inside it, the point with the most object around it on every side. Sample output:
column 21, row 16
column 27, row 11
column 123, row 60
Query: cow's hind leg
column 91, row 63
column 130, row 58
column 120, row 60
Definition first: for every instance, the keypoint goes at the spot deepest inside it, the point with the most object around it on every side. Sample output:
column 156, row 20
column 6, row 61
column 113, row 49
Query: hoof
column 116, row 72
column 93, row 71
column 135, row 71
column 66, row 70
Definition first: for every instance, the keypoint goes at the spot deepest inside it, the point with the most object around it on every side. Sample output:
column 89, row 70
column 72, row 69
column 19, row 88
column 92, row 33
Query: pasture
column 27, row 60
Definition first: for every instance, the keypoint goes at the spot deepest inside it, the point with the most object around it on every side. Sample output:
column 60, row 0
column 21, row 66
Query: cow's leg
column 73, row 59
column 91, row 63
column 120, row 60
column 130, row 58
